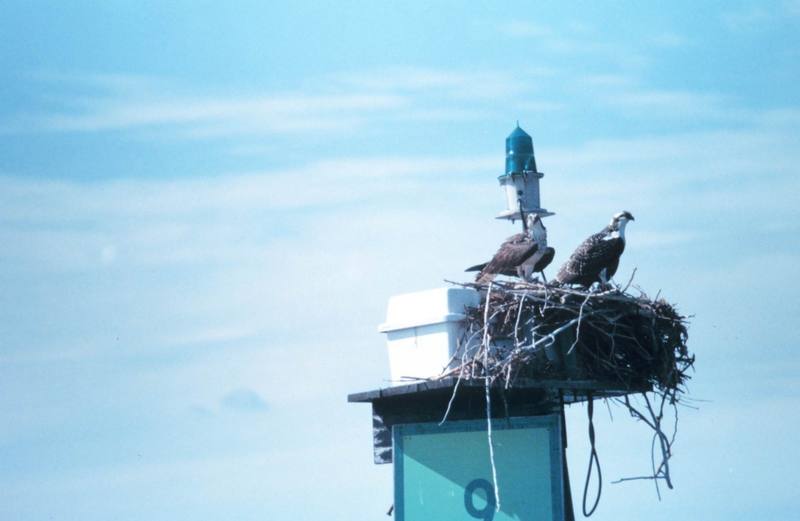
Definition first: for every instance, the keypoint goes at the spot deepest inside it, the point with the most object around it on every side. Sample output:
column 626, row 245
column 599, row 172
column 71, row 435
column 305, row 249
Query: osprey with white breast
column 522, row 254
column 597, row 258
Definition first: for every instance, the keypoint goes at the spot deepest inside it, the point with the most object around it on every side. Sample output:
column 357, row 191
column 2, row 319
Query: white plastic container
column 425, row 330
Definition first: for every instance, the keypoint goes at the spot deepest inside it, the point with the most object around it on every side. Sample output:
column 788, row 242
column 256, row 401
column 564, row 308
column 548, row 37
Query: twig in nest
column 578, row 327
column 653, row 420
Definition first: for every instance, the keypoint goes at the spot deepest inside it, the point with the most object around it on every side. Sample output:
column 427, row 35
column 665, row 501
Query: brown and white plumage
column 597, row 258
column 520, row 255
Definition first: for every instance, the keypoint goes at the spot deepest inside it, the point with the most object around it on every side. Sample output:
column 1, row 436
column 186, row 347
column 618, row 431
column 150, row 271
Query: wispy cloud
column 608, row 80
column 525, row 29
column 625, row 93
column 747, row 18
column 190, row 222
column 477, row 85
column 572, row 38
column 668, row 102
column 356, row 100
column 213, row 336
column 541, row 106
column 243, row 400
column 103, row 83
column 340, row 180
column 670, row 40
column 253, row 238
column 272, row 114
column 343, row 102
column 792, row 7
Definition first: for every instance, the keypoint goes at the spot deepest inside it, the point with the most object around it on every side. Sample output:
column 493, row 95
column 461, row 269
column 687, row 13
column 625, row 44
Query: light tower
column 521, row 178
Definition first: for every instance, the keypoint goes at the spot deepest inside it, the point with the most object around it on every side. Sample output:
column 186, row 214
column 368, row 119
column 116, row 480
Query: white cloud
column 541, row 106
column 108, row 254
column 682, row 103
column 776, row 118
column 608, row 80
column 746, row 18
column 132, row 84
column 525, row 29
column 342, row 102
column 573, row 38
column 170, row 201
column 670, row 40
column 273, row 114
column 792, row 7
column 243, row 400
column 622, row 92
column 352, row 101
column 213, row 335
column 464, row 85
column 234, row 250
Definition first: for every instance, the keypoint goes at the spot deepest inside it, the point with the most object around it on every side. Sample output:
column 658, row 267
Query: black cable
column 593, row 460
column 569, row 512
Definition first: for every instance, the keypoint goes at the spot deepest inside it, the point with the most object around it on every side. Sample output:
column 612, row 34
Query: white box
column 425, row 330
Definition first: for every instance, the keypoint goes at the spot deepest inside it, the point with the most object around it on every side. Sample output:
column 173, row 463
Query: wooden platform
column 427, row 401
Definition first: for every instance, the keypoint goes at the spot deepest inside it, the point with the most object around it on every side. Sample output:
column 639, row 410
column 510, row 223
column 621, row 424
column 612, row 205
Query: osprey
column 521, row 254
column 597, row 258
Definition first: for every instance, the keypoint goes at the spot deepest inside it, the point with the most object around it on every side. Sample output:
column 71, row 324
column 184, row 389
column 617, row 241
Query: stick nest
column 532, row 330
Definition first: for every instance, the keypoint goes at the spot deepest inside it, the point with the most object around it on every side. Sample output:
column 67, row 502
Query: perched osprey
column 597, row 258
column 522, row 254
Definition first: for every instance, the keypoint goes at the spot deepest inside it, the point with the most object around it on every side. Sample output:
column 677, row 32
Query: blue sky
column 204, row 210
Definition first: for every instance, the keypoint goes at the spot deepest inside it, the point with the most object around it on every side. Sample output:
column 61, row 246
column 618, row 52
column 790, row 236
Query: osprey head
column 620, row 220
column 536, row 228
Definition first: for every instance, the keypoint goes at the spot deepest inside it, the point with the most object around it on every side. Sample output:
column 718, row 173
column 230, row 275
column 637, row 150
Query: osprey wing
column 517, row 238
column 477, row 267
column 545, row 260
column 511, row 254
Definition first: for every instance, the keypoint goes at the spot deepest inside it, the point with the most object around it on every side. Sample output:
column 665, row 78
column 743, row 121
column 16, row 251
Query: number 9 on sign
column 487, row 512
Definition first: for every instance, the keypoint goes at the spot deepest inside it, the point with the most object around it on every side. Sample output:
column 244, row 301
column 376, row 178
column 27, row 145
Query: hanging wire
column 594, row 461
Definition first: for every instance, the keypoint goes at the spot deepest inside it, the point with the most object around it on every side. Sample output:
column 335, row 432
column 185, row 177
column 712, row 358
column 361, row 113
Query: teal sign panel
column 444, row 473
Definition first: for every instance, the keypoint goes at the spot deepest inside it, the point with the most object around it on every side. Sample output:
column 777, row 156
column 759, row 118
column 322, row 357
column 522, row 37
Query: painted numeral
column 487, row 512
